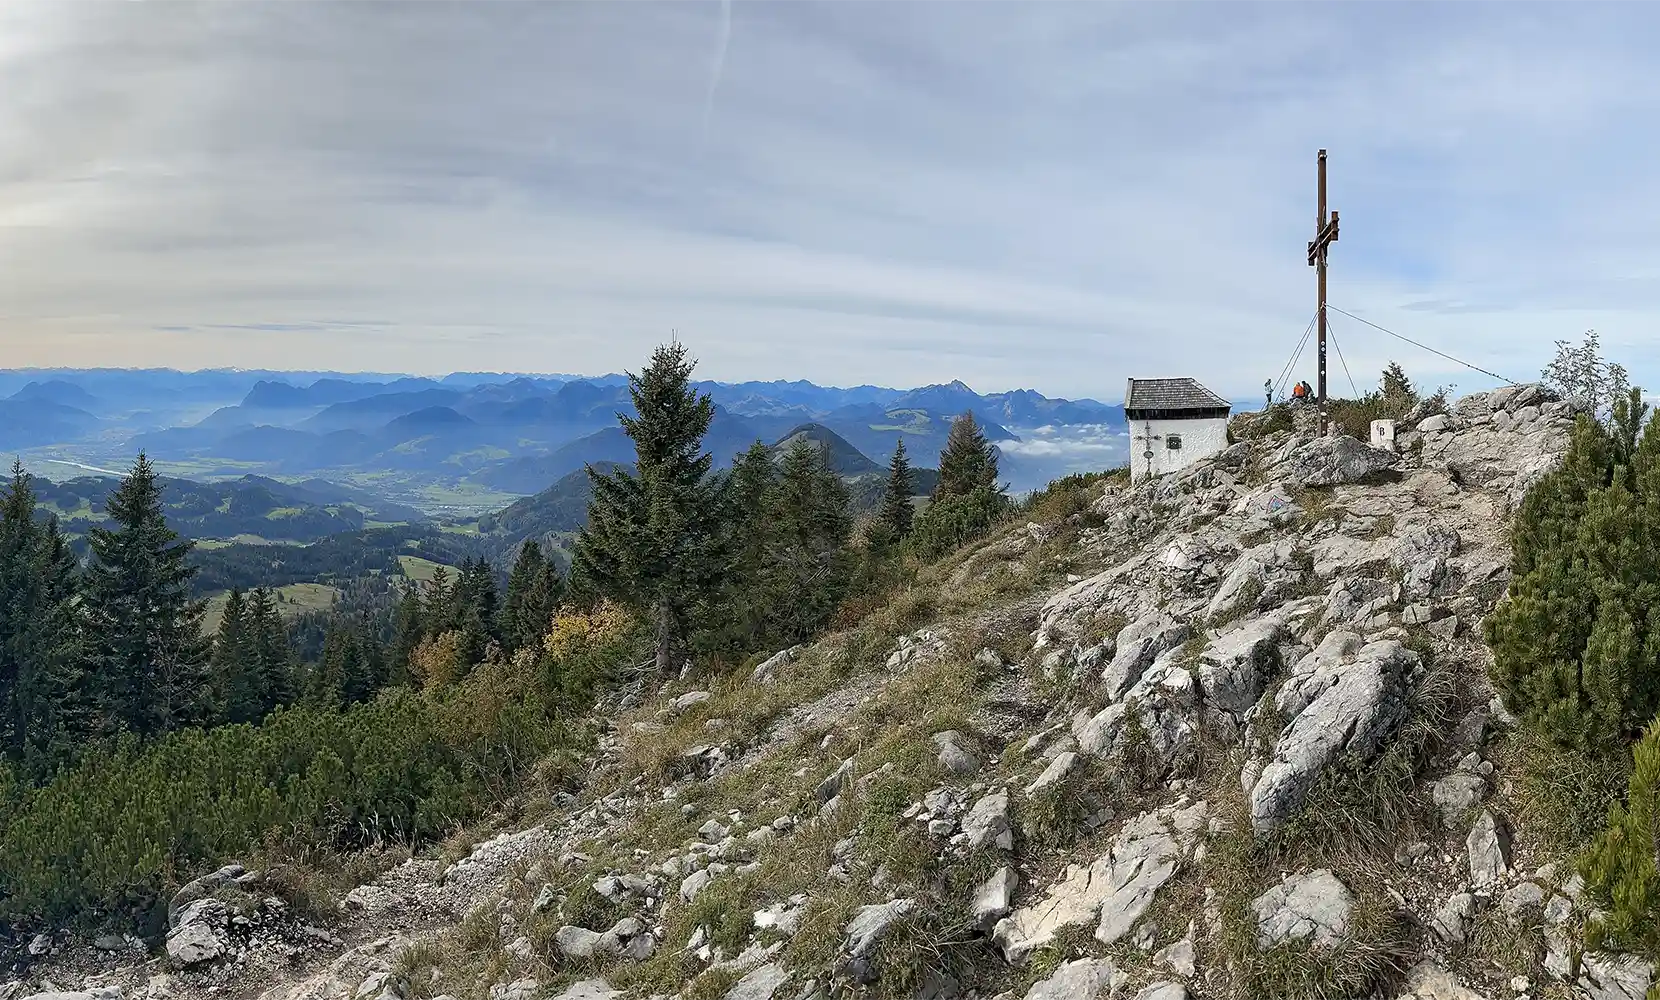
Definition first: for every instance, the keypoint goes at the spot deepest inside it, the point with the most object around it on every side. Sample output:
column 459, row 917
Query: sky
column 1032, row 195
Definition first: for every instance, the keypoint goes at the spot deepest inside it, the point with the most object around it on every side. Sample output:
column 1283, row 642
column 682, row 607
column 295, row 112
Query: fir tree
column 734, row 619
column 147, row 649
column 969, row 462
column 439, row 603
column 43, row 710
column 653, row 540
column 808, row 564
column 273, row 661
column 409, row 631
column 897, row 513
column 533, row 592
column 239, row 685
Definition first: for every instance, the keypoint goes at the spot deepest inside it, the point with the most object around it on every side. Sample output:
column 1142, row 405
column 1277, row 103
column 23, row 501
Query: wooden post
column 1325, row 234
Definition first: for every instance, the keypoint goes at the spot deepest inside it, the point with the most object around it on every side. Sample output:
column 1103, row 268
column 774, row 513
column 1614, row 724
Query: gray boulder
column 1314, row 907
column 1336, row 461
column 759, row 983
column 991, row 899
column 1451, row 922
column 1080, row 979
column 1457, row 795
column 200, row 888
column 953, row 757
column 988, row 822
column 1236, row 666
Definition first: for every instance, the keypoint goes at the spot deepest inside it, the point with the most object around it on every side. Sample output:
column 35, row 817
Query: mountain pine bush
column 1576, row 643
column 1619, row 867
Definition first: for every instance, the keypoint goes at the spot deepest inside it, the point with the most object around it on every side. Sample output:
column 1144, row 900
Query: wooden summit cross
column 1325, row 234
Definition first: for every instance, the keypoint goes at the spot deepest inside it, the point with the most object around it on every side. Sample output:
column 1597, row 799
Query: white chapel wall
column 1201, row 438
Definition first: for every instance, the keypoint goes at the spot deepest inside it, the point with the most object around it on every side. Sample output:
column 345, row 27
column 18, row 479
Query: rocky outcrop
column 1336, row 461
column 1342, row 698
column 1113, row 891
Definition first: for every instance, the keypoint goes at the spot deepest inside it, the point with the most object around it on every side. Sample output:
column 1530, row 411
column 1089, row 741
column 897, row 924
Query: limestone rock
column 1058, row 769
column 953, row 757
column 1234, row 668
column 1178, row 956
column 766, row 671
column 1080, row 979
column 1615, row 977
column 1336, row 707
column 870, row 924
column 1139, row 644
column 1336, row 461
column 1520, row 898
column 759, row 983
column 1428, row 981
column 200, row 888
column 1314, row 907
column 991, row 899
column 194, row 944
column 1451, row 922
column 1457, row 795
column 689, row 699
column 988, row 822
column 1118, row 886
column 587, row 989
column 1488, row 846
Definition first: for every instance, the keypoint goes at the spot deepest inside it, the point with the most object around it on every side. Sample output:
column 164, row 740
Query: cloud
column 1053, row 196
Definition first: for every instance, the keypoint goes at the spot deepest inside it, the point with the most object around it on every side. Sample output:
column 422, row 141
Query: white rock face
column 1117, row 888
column 1313, row 907
column 870, row 924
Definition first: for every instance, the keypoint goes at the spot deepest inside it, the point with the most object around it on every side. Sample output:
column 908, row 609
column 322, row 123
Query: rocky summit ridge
column 1227, row 733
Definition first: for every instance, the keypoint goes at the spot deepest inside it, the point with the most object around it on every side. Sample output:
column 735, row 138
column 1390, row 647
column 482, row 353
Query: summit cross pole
column 1325, row 234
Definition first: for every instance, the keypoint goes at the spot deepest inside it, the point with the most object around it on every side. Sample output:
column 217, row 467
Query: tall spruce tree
column 148, row 654
column 534, row 590
column 653, row 541
column 734, row 618
column 44, row 715
column 969, row 461
column 238, row 683
column 410, row 628
column 808, row 564
column 897, row 513
column 273, row 660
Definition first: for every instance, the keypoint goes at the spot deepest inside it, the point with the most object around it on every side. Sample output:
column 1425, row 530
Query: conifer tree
column 653, row 540
column 273, row 661
column 808, row 563
column 439, row 603
column 410, row 630
column 734, row 619
column 897, row 513
column 148, row 653
column 43, row 710
column 969, row 461
column 533, row 592
column 238, row 683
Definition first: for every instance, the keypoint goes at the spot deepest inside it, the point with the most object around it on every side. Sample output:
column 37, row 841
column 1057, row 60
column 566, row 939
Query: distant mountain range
column 487, row 435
